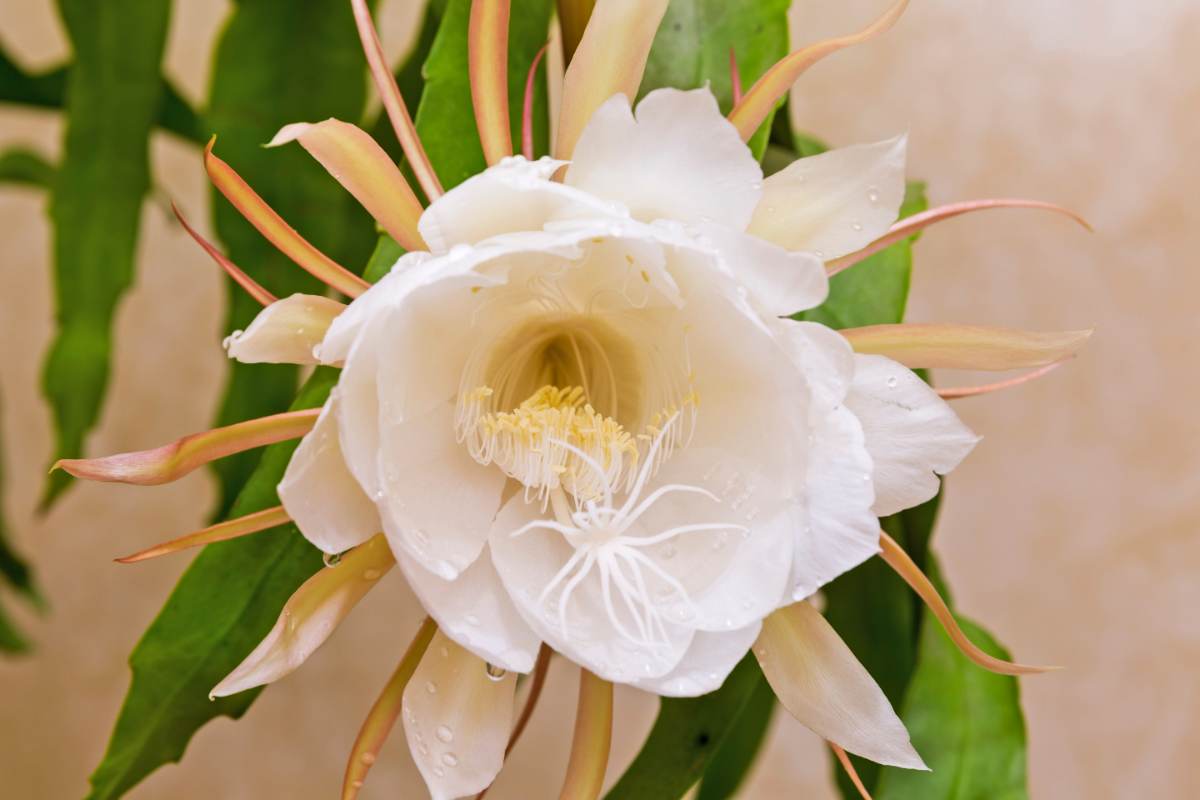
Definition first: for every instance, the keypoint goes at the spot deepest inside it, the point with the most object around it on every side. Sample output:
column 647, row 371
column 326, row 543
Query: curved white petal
column 457, row 717
column 834, row 203
column 705, row 665
column 822, row 684
column 680, row 159
column 310, row 616
column 321, row 495
column 841, row 531
column 584, row 631
column 436, row 502
column 823, row 357
column 514, row 195
column 780, row 282
column 285, row 332
column 912, row 434
column 475, row 611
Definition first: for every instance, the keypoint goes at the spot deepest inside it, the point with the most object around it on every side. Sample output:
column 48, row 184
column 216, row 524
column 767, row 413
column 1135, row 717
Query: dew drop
column 444, row 734
column 431, row 687
column 423, row 750
column 892, row 382
column 439, row 772
column 449, row 759
column 356, row 784
column 331, row 559
column 819, row 254
column 856, row 225
column 371, row 575
column 872, row 195
column 494, row 672
column 472, row 619
column 668, row 551
column 367, row 758
column 445, row 651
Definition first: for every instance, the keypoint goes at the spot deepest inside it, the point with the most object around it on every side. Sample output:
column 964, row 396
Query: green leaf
column 735, row 756
column 48, row 89
column 875, row 291
column 965, row 721
column 693, row 42
column 225, row 603
column 12, row 641
column 112, row 98
column 445, row 119
column 27, row 167
column 15, row 572
column 686, row 735
column 279, row 62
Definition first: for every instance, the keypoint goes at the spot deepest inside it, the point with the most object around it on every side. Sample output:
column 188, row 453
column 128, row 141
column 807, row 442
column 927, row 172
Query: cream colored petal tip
column 285, row 332
column 973, row 347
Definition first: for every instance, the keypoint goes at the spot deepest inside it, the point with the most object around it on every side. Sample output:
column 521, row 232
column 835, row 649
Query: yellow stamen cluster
column 555, row 438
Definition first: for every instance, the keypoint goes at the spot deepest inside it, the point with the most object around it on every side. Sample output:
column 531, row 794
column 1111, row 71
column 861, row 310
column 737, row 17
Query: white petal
column 780, row 282
column 457, row 718
column 834, row 203
column 679, row 160
column 319, row 493
column 475, row 611
column 841, row 531
column 823, row 685
column 705, row 665
column 911, row 433
column 514, row 195
column 437, row 503
column 286, row 331
column 528, row 563
column 823, row 357
column 309, row 617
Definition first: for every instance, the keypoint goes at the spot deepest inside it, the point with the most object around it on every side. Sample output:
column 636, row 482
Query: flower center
column 565, row 401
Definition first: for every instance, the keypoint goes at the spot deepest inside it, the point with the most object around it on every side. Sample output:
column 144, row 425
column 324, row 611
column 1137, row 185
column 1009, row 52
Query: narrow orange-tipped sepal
column 359, row 164
column 593, row 739
column 950, row 346
column 173, row 461
column 775, row 83
column 277, row 232
column 393, row 102
column 382, row 716
column 735, row 77
column 959, row 392
column 487, row 66
column 610, row 60
column 919, row 222
column 252, row 287
column 904, row 566
column 851, row 772
column 527, row 104
column 230, row 529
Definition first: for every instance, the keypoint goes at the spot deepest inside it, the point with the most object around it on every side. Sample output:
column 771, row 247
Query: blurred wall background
column 1071, row 532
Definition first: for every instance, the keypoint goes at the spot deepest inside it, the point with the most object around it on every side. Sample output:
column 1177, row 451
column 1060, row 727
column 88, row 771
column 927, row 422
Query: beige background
column 1071, row 531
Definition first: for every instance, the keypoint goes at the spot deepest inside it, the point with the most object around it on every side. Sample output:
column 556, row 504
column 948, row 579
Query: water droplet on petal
column 331, row 559
column 494, row 672
column 892, row 382
column 431, row 687
column 472, row 619
column 668, row 551
column 872, row 195
column 371, row 575
column 367, row 758
column 449, row 759
column 856, row 225
column 444, row 734
column 439, row 772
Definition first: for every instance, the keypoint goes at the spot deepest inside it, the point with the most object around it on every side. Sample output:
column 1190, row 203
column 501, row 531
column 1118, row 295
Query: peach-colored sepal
column 897, row 559
column 229, row 529
column 172, row 461
column 276, row 230
column 975, row 347
column 768, row 90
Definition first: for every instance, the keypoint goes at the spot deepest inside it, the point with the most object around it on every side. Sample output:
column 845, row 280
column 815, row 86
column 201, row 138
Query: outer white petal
column 841, row 530
column 823, row 357
column 680, row 159
column 514, row 195
column 436, row 502
column 286, row 331
column 705, row 665
column 529, row 562
column 309, row 617
column 834, row 203
column 457, row 719
column 319, row 493
column 911, row 433
column 823, row 685
column 475, row 611
column 780, row 281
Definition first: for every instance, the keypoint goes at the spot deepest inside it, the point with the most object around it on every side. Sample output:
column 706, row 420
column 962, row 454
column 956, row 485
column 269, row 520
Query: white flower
column 580, row 420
